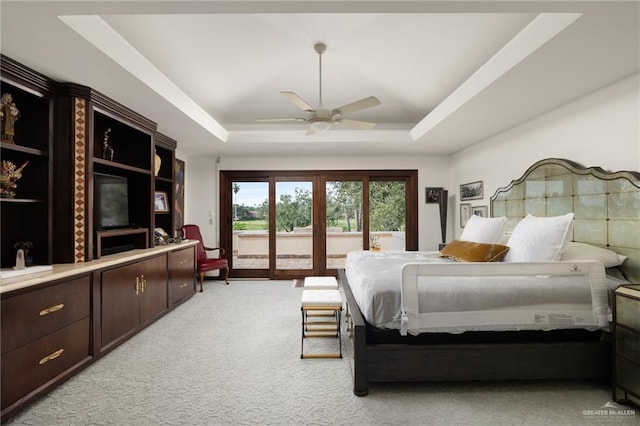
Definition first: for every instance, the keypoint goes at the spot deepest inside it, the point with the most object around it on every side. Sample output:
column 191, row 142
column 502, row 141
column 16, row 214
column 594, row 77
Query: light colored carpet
column 231, row 356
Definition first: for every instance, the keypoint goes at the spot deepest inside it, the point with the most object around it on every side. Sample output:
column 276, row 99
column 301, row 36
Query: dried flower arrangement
column 9, row 178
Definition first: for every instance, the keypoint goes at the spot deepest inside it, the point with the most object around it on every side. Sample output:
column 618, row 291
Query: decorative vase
column 157, row 163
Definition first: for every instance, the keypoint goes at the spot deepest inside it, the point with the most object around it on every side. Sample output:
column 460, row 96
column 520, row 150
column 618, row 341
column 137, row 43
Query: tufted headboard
column 606, row 205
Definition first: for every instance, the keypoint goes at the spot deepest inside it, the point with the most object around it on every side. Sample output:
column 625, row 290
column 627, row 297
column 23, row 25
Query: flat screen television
column 110, row 201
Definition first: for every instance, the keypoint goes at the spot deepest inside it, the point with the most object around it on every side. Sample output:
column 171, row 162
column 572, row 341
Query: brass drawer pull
column 184, row 261
column 54, row 355
column 184, row 285
column 52, row 309
column 137, row 286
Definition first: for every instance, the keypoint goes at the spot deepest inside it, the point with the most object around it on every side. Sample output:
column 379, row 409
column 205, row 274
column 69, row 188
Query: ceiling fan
column 321, row 119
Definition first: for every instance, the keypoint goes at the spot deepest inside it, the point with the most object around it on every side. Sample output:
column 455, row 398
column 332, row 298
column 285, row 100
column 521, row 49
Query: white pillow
column 484, row 229
column 582, row 251
column 539, row 239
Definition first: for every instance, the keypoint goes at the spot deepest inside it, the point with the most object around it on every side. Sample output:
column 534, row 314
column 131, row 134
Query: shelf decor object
column 9, row 178
column 107, row 149
column 9, row 114
column 161, row 202
column 157, row 162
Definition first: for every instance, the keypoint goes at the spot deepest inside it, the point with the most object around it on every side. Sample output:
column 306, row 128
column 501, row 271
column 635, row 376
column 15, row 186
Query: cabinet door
column 181, row 270
column 153, row 299
column 120, row 303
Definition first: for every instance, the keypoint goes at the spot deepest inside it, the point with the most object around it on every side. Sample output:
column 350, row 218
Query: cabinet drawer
column 30, row 316
column 627, row 312
column 628, row 344
column 181, row 267
column 182, row 261
column 180, row 289
column 32, row 365
column 628, row 375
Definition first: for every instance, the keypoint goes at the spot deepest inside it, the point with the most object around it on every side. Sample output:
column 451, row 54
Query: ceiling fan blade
column 355, row 124
column 298, row 101
column 279, row 120
column 369, row 102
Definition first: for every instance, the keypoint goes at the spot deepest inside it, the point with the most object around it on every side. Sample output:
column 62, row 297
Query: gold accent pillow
column 469, row 251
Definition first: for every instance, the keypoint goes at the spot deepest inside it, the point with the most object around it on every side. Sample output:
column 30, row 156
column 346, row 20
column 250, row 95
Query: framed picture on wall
column 465, row 214
column 471, row 191
column 482, row 211
column 178, row 196
column 432, row 195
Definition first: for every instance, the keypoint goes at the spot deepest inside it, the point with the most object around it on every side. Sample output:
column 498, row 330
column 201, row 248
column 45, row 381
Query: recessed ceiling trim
column 95, row 30
column 335, row 135
column 539, row 31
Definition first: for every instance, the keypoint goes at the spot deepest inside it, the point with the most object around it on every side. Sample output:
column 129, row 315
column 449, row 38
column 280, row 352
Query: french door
column 281, row 224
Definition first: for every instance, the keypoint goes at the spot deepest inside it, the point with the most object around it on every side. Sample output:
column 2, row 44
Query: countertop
column 65, row 270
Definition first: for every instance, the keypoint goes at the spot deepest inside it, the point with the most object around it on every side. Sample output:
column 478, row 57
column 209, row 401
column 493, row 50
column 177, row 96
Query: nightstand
column 626, row 357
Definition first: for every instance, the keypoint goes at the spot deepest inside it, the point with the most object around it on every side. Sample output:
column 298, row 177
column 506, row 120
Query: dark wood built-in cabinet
column 122, row 146
column 106, row 283
column 164, row 180
column 28, row 215
column 51, row 341
column 54, row 328
column 72, row 132
column 132, row 295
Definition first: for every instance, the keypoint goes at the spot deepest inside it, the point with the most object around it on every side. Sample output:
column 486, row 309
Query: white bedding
column 448, row 302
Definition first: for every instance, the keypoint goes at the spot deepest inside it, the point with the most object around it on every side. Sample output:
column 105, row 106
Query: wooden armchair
column 205, row 263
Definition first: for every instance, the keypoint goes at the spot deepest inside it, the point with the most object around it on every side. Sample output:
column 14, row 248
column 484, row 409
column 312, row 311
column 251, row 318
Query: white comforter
column 375, row 279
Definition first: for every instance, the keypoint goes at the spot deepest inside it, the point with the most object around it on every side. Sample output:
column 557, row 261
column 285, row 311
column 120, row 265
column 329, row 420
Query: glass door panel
column 387, row 215
column 343, row 225
column 250, row 218
column 294, row 225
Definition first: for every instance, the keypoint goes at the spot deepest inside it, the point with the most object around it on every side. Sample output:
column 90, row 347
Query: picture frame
column 161, row 202
column 465, row 214
column 482, row 211
column 472, row 191
column 432, row 195
column 178, row 195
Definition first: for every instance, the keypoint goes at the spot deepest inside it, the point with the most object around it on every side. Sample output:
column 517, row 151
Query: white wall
column 201, row 196
column 600, row 129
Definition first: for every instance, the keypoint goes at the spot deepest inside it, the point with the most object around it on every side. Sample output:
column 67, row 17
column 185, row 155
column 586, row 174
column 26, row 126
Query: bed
column 396, row 334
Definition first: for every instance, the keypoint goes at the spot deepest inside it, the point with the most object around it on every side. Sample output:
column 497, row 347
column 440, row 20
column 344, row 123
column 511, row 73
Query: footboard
column 357, row 332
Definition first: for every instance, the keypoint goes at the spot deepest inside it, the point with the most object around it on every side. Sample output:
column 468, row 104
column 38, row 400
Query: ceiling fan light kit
column 321, row 119
column 320, row 125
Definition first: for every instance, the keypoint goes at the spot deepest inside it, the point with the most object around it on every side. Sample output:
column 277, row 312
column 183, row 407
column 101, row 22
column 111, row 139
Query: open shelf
column 119, row 240
column 24, row 149
column 119, row 166
column 27, row 215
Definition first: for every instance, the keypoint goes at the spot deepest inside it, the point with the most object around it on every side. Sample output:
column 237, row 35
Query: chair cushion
column 211, row 264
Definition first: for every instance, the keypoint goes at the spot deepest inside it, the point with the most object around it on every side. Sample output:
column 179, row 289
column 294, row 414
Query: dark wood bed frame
column 574, row 359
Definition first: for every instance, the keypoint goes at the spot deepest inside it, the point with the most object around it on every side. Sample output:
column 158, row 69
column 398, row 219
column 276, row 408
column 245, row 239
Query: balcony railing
column 251, row 248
